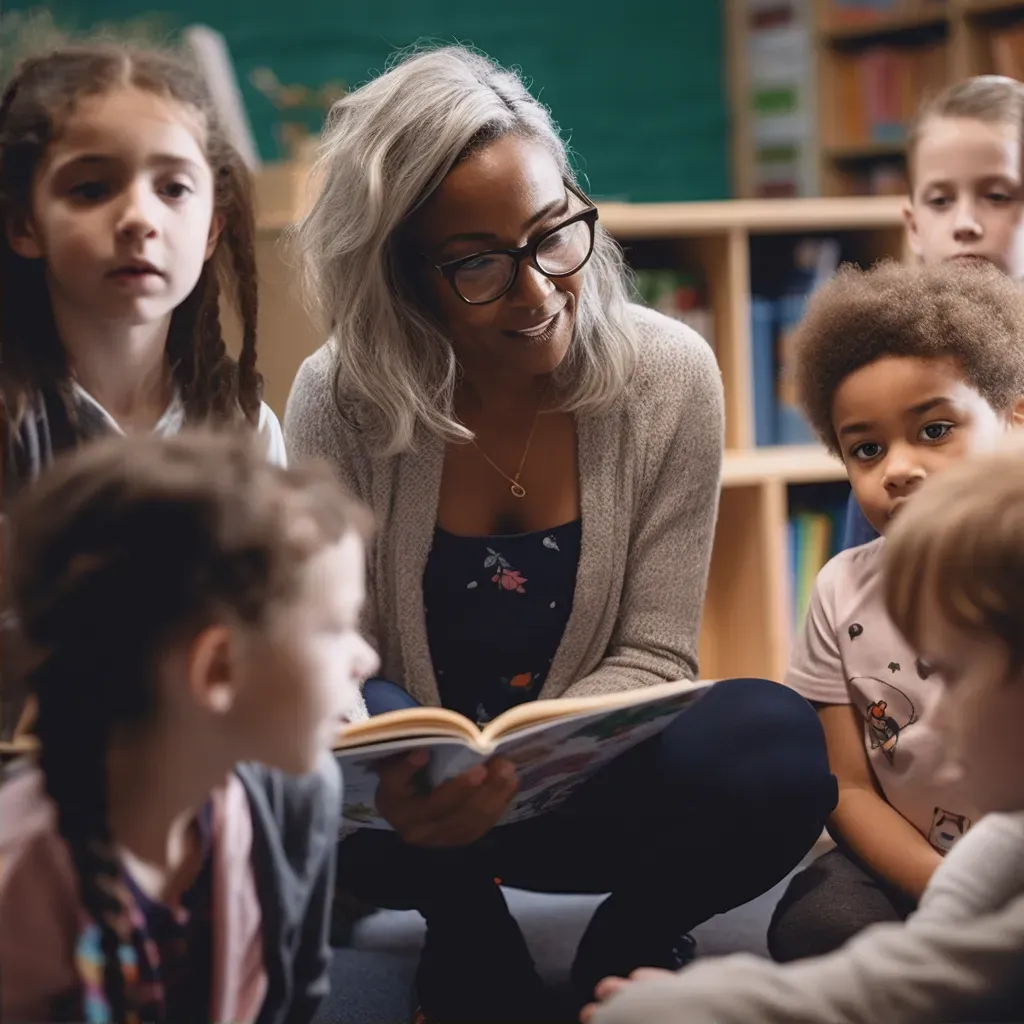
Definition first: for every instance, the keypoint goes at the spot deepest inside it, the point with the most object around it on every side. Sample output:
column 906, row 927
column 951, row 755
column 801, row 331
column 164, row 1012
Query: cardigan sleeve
column 314, row 429
column 658, row 625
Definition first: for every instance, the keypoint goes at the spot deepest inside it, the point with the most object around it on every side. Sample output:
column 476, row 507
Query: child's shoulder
column 851, row 574
column 29, row 842
column 281, row 803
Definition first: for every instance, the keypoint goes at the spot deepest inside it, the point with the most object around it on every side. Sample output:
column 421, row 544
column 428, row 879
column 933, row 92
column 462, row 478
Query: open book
column 554, row 744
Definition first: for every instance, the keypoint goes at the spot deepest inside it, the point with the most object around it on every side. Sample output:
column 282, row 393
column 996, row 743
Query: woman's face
column 502, row 196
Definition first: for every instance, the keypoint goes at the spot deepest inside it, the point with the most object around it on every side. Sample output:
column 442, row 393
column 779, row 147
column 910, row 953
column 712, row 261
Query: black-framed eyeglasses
column 559, row 252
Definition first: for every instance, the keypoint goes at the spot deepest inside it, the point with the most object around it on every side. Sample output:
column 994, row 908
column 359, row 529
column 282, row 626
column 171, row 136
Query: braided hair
column 34, row 107
column 100, row 604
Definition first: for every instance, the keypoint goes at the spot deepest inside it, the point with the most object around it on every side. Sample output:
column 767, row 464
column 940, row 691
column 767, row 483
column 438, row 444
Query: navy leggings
column 706, row 816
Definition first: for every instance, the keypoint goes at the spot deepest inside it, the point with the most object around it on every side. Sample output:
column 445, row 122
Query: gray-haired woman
column 543, row 460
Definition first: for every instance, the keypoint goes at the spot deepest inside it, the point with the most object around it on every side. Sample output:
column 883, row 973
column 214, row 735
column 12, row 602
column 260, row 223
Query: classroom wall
column 637, row 88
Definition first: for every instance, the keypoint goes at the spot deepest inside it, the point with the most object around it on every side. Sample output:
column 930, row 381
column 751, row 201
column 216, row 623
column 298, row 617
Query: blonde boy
column 952, row 581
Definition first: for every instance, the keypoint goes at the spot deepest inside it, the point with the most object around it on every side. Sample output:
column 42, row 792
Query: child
column 126, row 213
column 951, row 581
column 901, row 371
column 146, row 871
column 966, row 191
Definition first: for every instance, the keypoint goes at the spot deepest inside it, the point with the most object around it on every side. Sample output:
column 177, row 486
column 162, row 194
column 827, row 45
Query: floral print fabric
column 496, row 609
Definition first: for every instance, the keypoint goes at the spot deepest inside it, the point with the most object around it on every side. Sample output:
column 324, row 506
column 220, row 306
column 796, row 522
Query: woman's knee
column 776, row 746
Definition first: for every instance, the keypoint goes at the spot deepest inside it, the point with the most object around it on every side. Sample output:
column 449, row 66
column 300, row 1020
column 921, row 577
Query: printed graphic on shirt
column 947, row 829
column 888, row 712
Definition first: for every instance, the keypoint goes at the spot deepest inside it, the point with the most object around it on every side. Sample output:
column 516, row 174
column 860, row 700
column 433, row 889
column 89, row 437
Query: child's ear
column 21, row 237
column 1016, row 417
column 216, row 227
column 213, row 670
column 910, row 222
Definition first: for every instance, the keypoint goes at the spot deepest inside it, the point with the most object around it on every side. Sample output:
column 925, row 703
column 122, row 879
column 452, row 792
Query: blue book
column 792, row 428
column 762, row 340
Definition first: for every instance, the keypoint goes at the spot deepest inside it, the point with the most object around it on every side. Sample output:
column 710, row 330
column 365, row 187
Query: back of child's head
column 957, row 552
column 121, row 553
column 972, row 314
column 37, row 103
column 954, row 585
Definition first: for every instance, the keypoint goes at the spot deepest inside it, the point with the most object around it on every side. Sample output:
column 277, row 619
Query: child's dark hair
column 121, row 550
column 972, row 313
column 36, row 104
column 993, row 99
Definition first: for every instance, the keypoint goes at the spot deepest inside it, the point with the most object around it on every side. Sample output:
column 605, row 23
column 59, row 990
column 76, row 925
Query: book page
column 524, row 716
column 554, row 759
column 359, row 773
column 407, row 722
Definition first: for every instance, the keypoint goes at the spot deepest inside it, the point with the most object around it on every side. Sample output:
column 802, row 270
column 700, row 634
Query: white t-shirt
column 850, row 652
column 268, row 429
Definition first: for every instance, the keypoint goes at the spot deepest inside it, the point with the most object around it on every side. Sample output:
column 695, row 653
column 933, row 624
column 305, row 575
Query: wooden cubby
column 961, row 28
column 746, row 628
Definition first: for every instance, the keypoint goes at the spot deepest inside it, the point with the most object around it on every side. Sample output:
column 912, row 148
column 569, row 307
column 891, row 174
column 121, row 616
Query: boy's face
column 901, row 419
column 967, row 195
column 981, row 713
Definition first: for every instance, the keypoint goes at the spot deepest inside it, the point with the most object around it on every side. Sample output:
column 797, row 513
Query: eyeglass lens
column 559, row 254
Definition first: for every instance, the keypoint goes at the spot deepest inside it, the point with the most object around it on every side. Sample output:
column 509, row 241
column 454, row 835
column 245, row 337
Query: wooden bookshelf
column 960, row 33
column 746, row 627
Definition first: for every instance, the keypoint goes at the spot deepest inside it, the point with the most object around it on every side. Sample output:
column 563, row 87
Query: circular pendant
column 517, row 489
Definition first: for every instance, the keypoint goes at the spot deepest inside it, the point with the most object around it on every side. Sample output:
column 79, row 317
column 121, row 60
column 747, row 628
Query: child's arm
column 873, row 830
column 915, row 973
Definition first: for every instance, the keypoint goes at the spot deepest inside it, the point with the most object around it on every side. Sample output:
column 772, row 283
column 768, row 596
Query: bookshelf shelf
column 870, row 76
column 876, row 29
column 987, row 10
column 747, row 628
column 790, row 464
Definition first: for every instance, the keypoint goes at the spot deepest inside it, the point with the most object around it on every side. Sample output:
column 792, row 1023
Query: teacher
column 543, row 459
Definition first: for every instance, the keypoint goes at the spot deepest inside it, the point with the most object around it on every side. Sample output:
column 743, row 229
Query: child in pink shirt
column 902, row 371
column 187, row 610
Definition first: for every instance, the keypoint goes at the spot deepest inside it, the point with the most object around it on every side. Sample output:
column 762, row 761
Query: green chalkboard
column 638, row 88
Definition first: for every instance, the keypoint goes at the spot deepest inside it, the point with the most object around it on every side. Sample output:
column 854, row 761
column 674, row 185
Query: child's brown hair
column 122, row 549
column 958, row 550
column 974, row 314
column 35, row 105
column 992, row 99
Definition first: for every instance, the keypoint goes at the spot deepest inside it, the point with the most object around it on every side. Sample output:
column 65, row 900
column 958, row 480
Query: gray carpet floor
column 372, row 981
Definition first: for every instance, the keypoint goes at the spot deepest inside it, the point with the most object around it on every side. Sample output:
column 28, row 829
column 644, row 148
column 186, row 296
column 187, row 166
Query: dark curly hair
column 35, row 105
column 973, row 313
column 99, row 602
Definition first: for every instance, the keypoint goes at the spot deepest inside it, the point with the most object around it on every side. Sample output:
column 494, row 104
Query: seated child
column 188, row 608
column 952, row 579
column 966, row 191
column 902, row 371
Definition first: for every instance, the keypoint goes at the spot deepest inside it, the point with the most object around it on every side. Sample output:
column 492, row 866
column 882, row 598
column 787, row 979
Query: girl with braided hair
column 127, row 215
column 149, row 869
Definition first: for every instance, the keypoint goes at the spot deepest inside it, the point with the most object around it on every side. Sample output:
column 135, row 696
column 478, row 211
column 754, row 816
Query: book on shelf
column 679, row 295
column 841, row 13
column 778, row 418
column 1007, row 50
column 815, row 537
column 878, row 92
column 555, row 745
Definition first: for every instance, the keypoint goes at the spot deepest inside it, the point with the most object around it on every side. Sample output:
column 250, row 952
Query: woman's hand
column 456, row 813
column 607, row 988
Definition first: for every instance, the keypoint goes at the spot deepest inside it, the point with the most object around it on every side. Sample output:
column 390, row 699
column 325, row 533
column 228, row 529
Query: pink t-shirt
column 850, row 652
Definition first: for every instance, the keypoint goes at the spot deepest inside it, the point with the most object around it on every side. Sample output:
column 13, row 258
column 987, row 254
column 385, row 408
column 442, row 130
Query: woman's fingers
column 465, row 808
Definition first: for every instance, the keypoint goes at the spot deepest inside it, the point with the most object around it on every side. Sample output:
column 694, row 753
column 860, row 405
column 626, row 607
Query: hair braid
column 72, row 730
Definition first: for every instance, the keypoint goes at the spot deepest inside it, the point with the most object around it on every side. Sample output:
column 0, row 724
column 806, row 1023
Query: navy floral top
column 496, row 608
